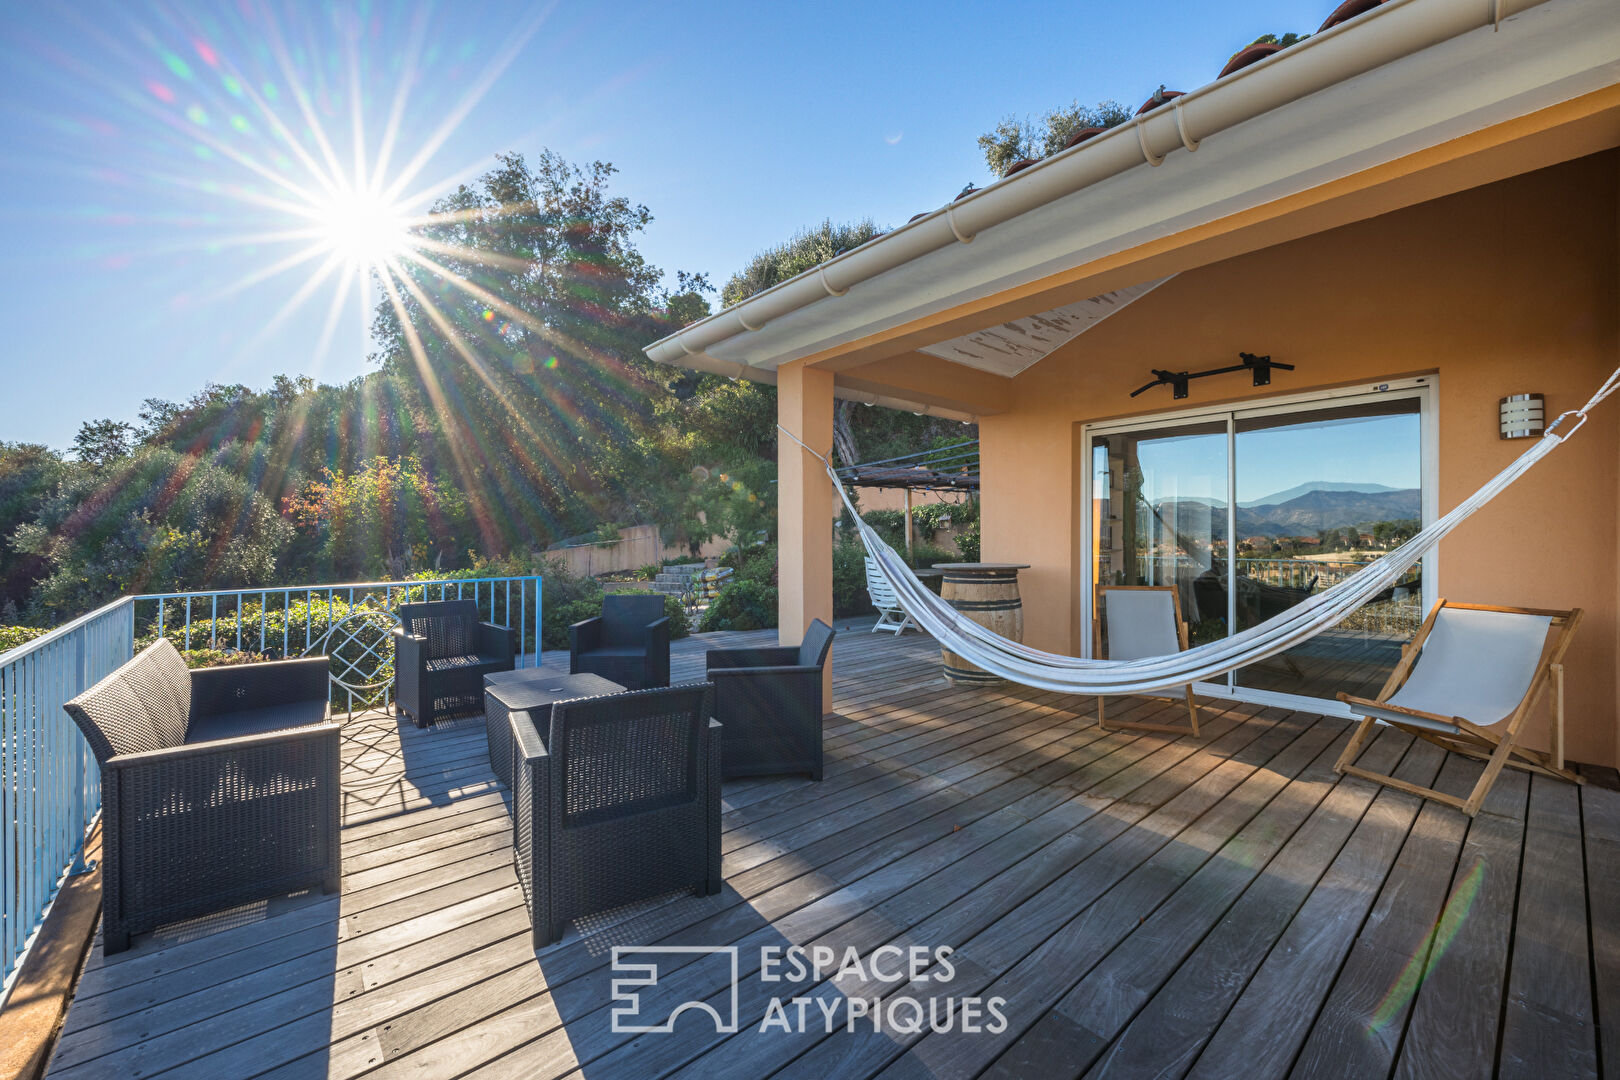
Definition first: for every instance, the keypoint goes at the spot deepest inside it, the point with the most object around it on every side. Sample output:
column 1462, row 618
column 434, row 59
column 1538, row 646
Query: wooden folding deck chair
column 1142, row 621
column 1469, row 682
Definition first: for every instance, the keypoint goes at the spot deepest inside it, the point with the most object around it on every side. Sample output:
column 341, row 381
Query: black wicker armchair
column 627, row 644
column 218, row 786
column 619, row 801
column 441, row 654
column 769, row 702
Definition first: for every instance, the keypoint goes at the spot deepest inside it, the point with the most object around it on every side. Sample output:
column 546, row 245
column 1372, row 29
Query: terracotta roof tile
column 1082, row 135
column 1348, row 10
column 1251, row 55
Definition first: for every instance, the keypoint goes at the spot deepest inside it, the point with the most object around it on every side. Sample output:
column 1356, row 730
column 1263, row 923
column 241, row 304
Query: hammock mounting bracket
column 1259, row 366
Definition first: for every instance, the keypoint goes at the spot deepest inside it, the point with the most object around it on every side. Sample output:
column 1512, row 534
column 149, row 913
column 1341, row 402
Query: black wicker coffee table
column 534, row 691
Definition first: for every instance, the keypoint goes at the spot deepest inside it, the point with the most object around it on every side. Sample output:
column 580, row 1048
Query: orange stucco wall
column 1508, row 288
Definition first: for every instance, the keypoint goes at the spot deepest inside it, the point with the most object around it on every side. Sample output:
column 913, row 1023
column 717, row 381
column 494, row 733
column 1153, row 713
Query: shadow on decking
column 193, row 985
column 1146, row 902
column 410, row 773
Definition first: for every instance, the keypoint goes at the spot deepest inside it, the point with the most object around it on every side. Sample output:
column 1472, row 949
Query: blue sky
column 141, row 147
column 1383, row 450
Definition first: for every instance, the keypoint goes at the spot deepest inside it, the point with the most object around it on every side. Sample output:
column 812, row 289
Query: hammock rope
column 1027, row 666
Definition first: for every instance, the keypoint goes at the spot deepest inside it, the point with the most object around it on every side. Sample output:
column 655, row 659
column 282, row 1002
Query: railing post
column 81, row 680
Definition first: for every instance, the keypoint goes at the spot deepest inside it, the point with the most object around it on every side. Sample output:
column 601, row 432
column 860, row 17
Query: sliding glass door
column 1249, row 512
column 1161, row 512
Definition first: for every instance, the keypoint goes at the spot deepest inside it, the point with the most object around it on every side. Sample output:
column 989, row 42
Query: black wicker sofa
column 218, row 786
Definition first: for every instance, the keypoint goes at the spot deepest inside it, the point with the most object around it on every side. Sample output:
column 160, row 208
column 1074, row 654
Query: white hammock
column 1021, row 664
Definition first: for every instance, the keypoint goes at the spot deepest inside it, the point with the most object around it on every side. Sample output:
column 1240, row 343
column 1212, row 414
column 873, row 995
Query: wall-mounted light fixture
column 1524, row 416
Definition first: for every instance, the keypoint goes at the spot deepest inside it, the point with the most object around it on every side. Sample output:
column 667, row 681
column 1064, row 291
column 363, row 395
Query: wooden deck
column 1146, row 905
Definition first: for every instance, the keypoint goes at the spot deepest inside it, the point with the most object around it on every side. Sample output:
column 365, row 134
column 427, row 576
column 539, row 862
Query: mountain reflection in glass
column 1302, row 499
column 1363, row 496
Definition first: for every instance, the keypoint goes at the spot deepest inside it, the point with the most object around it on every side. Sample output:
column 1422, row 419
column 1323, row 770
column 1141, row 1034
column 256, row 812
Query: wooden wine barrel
column 987, row 593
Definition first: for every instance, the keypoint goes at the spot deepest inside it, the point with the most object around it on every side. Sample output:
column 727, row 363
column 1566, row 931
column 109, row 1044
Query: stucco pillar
column 804, row 406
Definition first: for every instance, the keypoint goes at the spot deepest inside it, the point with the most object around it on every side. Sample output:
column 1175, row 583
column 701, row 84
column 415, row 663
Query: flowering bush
column 379, row 521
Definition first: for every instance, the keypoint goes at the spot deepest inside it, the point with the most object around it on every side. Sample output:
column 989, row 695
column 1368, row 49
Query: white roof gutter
column 1388, row 33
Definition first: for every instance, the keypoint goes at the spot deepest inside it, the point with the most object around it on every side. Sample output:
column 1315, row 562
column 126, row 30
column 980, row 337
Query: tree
column 517, row 337
column 1272, row 39
column 29, row 474
column 1013, row 139
column 101, row 442
column 155, row 519
column 805, row 250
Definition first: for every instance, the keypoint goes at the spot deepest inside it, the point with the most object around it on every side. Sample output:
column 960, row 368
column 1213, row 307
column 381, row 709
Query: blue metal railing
column 50, row 787
column 294, row 620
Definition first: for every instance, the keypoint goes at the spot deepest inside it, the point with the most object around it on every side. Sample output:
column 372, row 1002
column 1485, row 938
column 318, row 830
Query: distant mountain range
column 1315, row 485
column 1305, row 510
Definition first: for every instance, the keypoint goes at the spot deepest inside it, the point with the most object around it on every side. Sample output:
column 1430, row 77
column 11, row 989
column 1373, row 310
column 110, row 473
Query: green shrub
column 742, row 605
column 928, row 519
column 566, row 598
column 679, row 626
column 756, row 563
column 968, row 541
column 206, row 658
column 849, row 581
column 303, row 623
column 13, row 636
column 926, row 555
column 889, row 524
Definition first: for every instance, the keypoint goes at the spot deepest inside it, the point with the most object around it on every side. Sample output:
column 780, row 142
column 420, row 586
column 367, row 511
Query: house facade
column 1417, row 209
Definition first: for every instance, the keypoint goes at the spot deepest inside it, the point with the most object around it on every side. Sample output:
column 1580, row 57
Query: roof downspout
column 1396, row 29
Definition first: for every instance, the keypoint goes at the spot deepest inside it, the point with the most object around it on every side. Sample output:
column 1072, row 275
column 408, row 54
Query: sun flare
column 324, row 145
column 361, row 230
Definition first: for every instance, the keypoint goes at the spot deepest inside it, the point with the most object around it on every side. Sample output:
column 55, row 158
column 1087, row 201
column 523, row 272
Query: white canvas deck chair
column 1142, row 621
column 891, row 616
column 1469, row 682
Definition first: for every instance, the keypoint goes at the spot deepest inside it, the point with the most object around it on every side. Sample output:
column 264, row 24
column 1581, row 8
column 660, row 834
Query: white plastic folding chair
column 891, row 616
column 1469, row 681
column 1142, row 621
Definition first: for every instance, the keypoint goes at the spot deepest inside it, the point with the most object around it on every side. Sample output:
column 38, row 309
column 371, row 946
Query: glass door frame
column 1423, row 388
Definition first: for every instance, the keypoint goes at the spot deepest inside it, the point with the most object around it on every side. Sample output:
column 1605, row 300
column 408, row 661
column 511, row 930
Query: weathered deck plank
column 1358, row 1029
column 1265, row 1028
column 1547, row 1026
column 1600, row 826
column 1456, row 1016
column 1142, row 902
